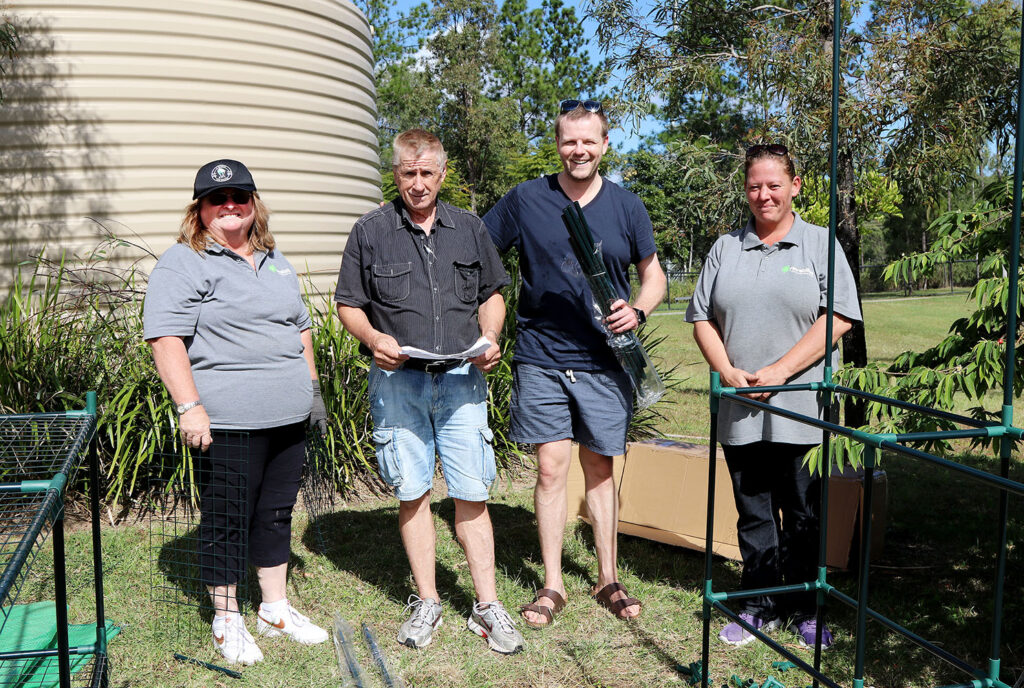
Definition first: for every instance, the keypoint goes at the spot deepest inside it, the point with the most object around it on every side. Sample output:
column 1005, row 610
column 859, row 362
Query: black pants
column 250, row 481
column 777, row 499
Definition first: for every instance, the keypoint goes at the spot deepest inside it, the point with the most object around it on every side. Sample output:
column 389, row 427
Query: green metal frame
column 51, row 509
column 1004, row 430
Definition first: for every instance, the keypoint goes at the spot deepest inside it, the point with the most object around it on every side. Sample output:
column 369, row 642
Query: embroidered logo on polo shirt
column 799, row 271
column 286, row 271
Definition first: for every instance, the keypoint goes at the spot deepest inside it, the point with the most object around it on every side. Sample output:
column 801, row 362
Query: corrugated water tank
column 112, row 105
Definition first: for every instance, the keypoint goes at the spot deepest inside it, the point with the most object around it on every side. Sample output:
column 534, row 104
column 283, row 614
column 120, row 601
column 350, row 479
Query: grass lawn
column 934, row 576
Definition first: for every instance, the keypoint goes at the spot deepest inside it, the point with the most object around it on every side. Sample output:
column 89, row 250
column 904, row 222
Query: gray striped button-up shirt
column 422, row 289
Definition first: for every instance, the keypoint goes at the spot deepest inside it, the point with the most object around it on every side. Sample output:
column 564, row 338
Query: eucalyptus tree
column 926, row 85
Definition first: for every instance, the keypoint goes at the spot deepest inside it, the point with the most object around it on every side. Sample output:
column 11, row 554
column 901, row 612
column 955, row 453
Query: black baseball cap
column 222, row 174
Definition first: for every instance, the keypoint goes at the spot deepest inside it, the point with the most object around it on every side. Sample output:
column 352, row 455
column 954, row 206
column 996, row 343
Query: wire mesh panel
column 39, row 455
column 318, row 493
column 200, row 524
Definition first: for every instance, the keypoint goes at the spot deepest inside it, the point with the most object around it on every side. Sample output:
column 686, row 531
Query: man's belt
column 427, row 366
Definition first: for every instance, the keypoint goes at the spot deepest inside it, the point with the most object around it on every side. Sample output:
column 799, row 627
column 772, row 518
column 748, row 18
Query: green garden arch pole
column 1005, row 444
column 826, row 437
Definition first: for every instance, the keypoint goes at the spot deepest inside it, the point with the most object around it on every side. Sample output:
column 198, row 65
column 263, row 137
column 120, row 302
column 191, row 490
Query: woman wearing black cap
column 232, row 344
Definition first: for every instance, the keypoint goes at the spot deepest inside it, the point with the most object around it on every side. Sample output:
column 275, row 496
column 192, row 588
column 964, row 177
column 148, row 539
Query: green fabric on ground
column 34, row 627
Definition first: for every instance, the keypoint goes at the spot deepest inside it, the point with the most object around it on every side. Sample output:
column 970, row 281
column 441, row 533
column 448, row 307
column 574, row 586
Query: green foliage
column 877, row 198
column 486, row 81
column 691, row 194
column 970, row 362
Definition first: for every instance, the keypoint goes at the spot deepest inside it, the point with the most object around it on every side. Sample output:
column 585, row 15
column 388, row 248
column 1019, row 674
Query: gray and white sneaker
column 492, row 622
column 418, row 629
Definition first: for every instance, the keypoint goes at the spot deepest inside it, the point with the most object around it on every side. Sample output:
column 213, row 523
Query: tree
column 970, row 361
column 540, row 63
column 924, row 85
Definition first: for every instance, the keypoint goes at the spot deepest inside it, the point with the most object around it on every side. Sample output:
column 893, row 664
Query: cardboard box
column 663, row 496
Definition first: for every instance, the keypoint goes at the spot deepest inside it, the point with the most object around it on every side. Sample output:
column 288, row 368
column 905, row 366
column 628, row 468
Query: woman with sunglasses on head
column 231, row 340
column 758, row 312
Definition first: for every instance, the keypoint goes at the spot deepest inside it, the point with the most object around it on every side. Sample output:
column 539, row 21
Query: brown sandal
column 542, row 609
column 604, row 598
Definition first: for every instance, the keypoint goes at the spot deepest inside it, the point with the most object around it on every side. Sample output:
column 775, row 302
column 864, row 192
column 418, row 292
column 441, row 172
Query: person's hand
column 770, row 376
column 488, row 359
column 195, row 428
column 622, row 319
column 739, row 378
column 386, row 352
column 318, row 413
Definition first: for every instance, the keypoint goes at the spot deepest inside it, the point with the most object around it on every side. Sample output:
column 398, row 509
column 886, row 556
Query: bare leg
column 603, row 507
column 416, row 525
column 473, row 528
column 272, row 582
column 223, row 598
column 549, row 502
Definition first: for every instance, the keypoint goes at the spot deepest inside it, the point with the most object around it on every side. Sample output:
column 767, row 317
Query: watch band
column 640, row 316
column 182, row 408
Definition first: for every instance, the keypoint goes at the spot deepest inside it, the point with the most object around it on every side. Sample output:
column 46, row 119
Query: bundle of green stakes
column 627, row 347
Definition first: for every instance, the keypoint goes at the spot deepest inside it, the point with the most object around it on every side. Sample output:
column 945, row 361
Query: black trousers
column 249, row 482
column 777, row 499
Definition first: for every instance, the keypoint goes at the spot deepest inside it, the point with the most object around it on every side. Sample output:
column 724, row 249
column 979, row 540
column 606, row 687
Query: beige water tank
column 112, row 106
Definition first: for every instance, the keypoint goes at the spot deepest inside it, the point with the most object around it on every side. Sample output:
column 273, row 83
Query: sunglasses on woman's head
column 588, row 105
column 238, row 197
column 772, row 148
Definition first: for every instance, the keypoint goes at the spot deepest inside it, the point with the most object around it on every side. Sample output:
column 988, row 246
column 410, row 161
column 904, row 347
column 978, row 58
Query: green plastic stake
column 694, row 672
column 783, row 666
column 772, row 683
column 740, row 683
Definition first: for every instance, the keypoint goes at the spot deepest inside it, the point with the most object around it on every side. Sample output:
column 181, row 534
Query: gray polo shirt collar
column 794, row 237
column 214, row 248
column 442, row 217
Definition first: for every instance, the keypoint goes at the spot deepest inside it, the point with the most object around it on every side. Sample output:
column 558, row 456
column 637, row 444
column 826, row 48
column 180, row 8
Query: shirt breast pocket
column 391, row 282
column 467, row 281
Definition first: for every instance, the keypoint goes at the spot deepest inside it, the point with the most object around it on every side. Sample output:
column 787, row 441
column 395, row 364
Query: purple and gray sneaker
column 807, row 629
column 734, row 634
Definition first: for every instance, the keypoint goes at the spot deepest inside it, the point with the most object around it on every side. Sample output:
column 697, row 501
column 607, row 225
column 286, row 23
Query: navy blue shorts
column 592, row 407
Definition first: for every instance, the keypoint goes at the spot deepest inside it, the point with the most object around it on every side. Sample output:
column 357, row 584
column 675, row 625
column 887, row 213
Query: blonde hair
column 579, row 112
column 193, row 233
column 416, row 142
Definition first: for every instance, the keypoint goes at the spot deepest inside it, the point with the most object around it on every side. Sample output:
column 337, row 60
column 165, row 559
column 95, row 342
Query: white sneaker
column 291, row 623
column 234, row 641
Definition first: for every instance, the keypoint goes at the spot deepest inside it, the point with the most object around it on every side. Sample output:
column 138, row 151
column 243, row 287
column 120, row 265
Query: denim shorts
column 590, row 406
column 417, row 415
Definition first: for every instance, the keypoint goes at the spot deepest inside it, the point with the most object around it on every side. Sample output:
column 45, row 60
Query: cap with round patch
column 221, row 174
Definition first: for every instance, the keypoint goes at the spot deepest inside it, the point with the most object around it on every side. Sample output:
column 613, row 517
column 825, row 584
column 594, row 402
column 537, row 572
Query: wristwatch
column 181, row 408
column 641, row 317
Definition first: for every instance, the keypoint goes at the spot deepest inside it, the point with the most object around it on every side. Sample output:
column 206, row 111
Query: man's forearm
column 358, row 325
column 491, row 316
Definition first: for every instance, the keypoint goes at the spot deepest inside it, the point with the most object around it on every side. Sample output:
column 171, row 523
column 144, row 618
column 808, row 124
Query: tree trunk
column 854, row 344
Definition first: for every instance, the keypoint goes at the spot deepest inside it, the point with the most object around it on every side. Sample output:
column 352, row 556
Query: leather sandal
column 617, row 607
column 543, row 609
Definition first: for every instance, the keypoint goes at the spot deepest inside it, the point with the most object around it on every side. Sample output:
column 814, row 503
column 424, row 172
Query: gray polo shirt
column 764, row 299
column 422, row 289
column 241, row 328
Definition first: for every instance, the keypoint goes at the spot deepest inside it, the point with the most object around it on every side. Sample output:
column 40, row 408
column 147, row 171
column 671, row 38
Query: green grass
column 893, row 325
column 935, row 576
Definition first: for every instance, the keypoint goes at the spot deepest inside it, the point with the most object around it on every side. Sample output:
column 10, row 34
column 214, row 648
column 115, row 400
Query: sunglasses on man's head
column 588, row 105
column 237, row 196
column 772, row 148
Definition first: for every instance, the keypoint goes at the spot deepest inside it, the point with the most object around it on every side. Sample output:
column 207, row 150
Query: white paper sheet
column 481, row 345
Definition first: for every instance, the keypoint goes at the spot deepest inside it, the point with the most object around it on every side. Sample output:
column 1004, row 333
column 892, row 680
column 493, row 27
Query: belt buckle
column 436, row 367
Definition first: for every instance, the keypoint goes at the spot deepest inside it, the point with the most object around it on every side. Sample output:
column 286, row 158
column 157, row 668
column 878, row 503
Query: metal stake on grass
column 390, row 679
column 343, row 632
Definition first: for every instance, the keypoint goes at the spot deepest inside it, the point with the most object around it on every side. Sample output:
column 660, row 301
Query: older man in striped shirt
column 421, row 274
